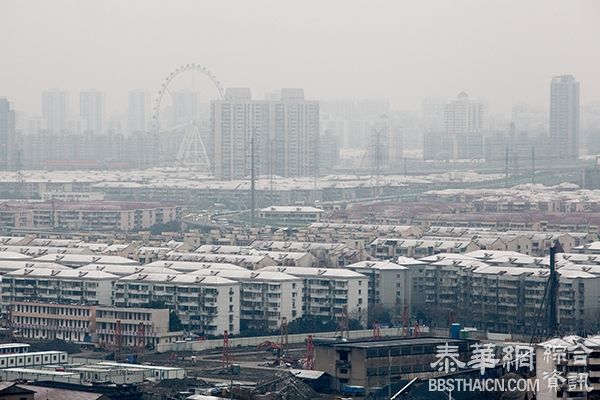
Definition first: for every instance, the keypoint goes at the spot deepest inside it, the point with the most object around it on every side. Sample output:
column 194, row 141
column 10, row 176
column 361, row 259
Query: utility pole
column 377, row 156
column 506, row 167
column 405, row 167
column 252, row 182
column 19, row 188
column 532, row 164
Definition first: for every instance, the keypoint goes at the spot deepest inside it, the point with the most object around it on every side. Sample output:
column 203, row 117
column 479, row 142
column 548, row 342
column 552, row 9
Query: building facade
column 205, row 304
column 327, row 291
column 564, row 116
column 54, row 110
column 137, row 112
column 137, row 327
column 87, row 215
column 283, row 135
column 92, row 111
column 7, row 135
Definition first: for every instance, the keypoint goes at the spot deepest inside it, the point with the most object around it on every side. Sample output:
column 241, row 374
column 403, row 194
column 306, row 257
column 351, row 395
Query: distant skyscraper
column 92, row 111
column 462, row 116
column 564, row 116
column 460, row 136
column 54, row 110
column 7, row 135
column 463, row 123
column 137, row 111
column 285, row 131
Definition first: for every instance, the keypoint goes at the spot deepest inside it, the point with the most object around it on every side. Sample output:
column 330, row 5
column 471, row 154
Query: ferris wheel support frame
column 187, row 140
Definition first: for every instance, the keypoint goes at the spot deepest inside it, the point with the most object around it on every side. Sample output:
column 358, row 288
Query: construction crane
column 405, row 321
column 416, row 330
column 310, row 353
column 283, row 336
column 342, row 327
column 376, row 330
column 549, row 307
column 226, row 356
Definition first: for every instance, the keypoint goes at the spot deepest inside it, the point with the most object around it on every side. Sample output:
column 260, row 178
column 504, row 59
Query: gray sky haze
column 505, row 51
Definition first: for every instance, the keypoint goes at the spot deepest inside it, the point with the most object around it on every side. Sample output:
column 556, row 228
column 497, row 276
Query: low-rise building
column 574, row 363
column 79, row 260
column 207, row 304
column 64, row 285
column 328, row 255
column 137, row 327
column 390, row 284
column 191, row 266
column 326, row 291
column 504, row 293
column 373, row 364
column 87, row 215
column 388, row 248
column 247, row 261
column 266, row 297
column 290, row 215
column 282, row 258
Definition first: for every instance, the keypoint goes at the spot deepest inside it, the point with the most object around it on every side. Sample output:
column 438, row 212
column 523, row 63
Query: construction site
column 262, row 368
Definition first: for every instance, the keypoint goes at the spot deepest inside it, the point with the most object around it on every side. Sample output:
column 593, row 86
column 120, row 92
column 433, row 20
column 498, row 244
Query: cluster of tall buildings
column 279, row 137
column 56, row 118
column 287, row 135
column 92, row 119
column 458, row 129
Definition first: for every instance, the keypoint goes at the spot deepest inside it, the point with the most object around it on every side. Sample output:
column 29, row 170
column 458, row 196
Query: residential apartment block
column 283, row 134
column 326, row 291
column 209, row 304
column 390, row 284
column 102, row 325
column 87, row 215
column 48, row 285
column 266, row 297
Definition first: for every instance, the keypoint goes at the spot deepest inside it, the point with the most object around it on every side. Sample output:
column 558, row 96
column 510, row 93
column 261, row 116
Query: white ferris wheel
column 192, row 152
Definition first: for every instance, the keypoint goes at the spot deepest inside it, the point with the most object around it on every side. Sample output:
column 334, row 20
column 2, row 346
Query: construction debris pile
column 283, row 386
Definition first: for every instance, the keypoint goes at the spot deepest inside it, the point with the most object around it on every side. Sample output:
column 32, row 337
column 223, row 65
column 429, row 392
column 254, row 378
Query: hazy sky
column 505, row 50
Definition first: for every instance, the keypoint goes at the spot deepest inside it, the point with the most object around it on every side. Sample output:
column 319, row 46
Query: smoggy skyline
column 402, row 51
